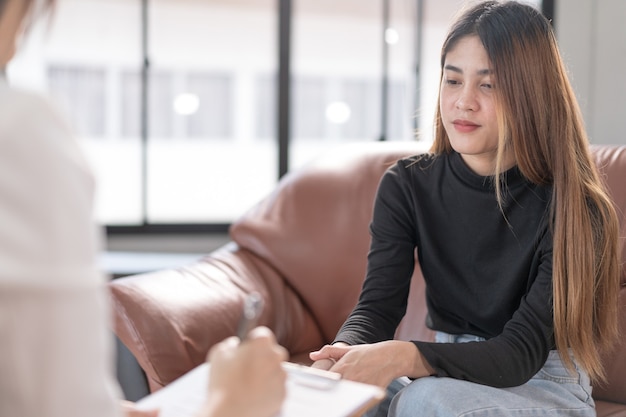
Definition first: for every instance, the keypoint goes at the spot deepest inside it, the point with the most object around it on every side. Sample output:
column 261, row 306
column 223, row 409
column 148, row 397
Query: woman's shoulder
column 29, row 120
column 23, row 110
column 422, row 159
column 17, row 98
column 421, row 164
column 414, row 172
column 34, row 135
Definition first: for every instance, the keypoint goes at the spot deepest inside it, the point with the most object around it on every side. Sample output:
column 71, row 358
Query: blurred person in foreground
column 56, row 347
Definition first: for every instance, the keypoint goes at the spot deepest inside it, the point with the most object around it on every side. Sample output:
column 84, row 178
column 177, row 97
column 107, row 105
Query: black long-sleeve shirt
column 488, row 272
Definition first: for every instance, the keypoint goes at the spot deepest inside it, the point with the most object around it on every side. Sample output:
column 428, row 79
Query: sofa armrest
column 170, row 319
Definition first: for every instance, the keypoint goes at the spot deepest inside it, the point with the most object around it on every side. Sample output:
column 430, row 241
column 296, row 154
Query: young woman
column 515, row 235
column 55, row 341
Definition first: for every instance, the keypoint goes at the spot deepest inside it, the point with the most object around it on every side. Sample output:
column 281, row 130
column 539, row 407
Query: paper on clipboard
column 307, row 396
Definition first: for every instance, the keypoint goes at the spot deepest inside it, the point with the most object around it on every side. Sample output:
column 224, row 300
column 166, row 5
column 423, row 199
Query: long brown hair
column 540, row 120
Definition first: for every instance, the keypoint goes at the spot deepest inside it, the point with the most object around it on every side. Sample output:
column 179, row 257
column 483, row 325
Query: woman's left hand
column 377, row 363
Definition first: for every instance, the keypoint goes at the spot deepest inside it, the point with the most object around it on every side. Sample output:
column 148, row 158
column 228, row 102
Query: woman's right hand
column 325, row 363
column 247, row 379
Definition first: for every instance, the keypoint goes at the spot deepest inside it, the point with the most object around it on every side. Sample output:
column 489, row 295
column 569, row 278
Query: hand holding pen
column 249, row 372
column 247, row 379
column 252, row 308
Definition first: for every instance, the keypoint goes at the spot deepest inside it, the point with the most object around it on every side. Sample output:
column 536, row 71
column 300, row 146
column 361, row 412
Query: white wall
column 592, row 37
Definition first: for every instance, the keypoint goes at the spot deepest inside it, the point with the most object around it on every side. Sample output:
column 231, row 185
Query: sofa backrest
column 314, row 228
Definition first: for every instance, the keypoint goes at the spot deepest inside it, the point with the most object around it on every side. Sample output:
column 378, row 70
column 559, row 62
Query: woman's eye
column 452, row 82
column 487, row 85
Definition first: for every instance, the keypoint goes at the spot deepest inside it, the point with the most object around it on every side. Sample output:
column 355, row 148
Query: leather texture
column 304, row 248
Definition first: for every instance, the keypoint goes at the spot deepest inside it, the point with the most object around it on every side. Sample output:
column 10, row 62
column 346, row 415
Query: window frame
column 283, row 109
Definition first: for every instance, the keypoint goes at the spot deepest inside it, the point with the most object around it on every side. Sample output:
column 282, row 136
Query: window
column 209, row 166
column 265, row 87
column 213, row 117
column 345, row 58
column 361, row 70
column 130, row 104
column 308, row 103
column 362, row 99
column 81, row 94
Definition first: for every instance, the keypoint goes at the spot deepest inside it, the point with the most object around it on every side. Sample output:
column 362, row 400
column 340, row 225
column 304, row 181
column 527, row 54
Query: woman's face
column 468, row 108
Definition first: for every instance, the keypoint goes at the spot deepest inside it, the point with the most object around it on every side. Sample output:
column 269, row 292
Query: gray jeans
column 553, row 391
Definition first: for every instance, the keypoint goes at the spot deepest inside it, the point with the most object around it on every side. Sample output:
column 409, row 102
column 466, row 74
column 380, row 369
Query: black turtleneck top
column 488, row 270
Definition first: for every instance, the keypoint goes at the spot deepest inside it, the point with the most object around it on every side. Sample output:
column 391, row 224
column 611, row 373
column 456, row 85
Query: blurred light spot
column 186, row 104
column 338, row 112
column 391, row 36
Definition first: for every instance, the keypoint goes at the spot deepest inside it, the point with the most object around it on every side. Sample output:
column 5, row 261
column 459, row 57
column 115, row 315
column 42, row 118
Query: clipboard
column 310, row 392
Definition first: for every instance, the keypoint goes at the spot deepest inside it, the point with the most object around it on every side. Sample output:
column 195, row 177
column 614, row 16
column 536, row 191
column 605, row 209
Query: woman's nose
column 467, row 100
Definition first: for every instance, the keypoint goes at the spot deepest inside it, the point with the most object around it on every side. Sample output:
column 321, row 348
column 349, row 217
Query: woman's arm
column 390, row 265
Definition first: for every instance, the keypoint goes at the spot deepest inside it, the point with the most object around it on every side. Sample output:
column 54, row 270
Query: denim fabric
column 553, row 391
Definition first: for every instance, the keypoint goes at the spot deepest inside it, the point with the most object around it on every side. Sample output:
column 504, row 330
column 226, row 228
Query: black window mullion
column 385, row 74
column 284, row 84
column 145, row 74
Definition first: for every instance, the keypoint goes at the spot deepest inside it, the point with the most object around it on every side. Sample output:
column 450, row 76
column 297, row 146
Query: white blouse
column 56, row 347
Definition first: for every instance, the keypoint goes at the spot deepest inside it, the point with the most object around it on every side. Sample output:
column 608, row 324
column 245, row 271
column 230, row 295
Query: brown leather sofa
column 304, row 249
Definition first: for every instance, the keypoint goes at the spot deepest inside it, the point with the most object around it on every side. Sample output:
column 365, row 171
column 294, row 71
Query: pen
column 252, row 307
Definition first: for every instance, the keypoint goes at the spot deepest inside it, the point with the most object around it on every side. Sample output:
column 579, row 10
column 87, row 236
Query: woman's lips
column 465, row 126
